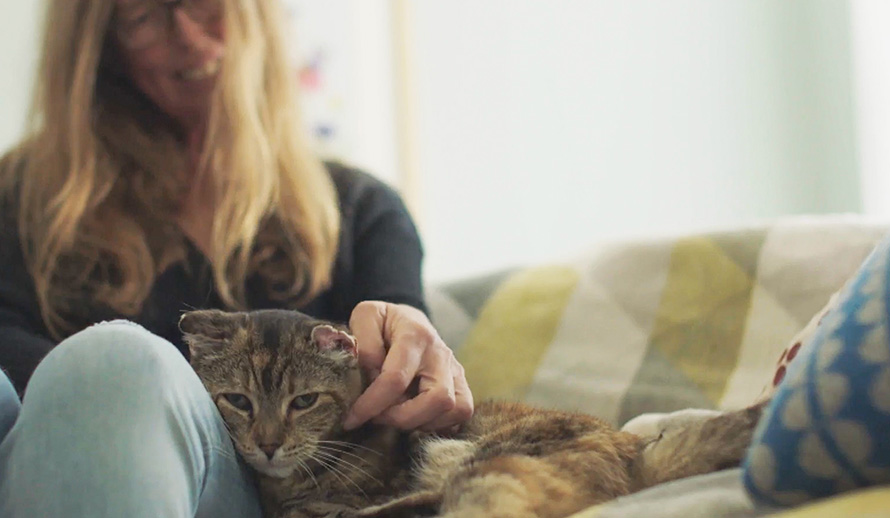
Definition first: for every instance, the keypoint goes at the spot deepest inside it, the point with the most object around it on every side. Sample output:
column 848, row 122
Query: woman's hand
column 397, row 344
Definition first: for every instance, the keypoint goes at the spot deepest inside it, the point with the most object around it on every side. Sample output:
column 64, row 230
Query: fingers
column 401, row 344
column 366, row 323
column 436, row 393
column 463, row 404
column 399, row 369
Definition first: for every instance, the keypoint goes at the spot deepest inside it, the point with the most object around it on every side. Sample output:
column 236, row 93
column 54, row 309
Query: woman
column 166, row 171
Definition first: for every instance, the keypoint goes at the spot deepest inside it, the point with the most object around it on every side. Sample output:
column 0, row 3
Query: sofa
column 656, row 325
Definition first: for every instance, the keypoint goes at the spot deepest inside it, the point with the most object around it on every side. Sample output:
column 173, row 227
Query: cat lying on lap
column 284, row 381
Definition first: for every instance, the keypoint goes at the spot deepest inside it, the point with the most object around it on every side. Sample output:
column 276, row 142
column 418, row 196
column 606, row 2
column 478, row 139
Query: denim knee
column 116, row 423
column 114, row 346
column 9, row 405
column 111, row 357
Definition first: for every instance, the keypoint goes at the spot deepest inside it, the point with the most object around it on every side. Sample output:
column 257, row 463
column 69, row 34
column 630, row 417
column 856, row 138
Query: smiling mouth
column 209, row 69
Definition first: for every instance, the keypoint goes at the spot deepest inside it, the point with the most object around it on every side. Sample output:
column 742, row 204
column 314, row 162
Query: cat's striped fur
column 284, row 381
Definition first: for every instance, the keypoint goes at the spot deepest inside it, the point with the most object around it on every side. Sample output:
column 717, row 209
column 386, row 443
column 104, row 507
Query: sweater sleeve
column 380, row 245
column 24, row 340
column 388, row 256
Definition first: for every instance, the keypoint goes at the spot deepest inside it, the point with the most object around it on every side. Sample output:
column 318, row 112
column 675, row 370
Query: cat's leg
column 694, row 445
column 116, row 423
column 420, row 503
column 504, row 487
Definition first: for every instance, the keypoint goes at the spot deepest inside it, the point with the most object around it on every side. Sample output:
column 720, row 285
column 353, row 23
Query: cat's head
column 282, row 381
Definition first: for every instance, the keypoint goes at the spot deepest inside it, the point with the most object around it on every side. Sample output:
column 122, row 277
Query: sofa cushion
column 650, row 325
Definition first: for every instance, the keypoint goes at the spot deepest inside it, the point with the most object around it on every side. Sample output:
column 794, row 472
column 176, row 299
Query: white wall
column 871, row 58
column 356, row 94
column 18, row 38
column 545, row 125
column 548, row 124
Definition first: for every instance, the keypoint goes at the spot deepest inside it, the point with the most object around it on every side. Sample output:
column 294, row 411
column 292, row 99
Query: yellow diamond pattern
column 700, row 322
column 514, row 329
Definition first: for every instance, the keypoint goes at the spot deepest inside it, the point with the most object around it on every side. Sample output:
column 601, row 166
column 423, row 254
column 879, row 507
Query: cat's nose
column 270, row 449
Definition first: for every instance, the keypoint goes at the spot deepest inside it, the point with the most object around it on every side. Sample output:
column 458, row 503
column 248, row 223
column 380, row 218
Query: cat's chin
column 274, row 471
column 270, row 468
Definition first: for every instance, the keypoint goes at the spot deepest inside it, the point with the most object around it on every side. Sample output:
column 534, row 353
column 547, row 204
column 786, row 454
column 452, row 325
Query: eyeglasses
column 144, row 24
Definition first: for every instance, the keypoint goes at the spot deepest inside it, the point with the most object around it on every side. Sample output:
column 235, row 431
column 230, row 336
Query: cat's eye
column 305, row 401
column 239, row 401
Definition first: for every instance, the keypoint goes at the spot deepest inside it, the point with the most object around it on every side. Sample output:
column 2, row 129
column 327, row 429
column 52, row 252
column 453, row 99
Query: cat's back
column 517, row 426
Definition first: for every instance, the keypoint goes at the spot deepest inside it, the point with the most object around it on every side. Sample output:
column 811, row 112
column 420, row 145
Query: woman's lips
column 209, row 69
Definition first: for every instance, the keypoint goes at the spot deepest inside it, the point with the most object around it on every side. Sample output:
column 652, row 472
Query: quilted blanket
column 650, row 325
column 658, row 325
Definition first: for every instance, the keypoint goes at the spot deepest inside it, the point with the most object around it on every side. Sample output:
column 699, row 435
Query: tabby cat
column 284, row 381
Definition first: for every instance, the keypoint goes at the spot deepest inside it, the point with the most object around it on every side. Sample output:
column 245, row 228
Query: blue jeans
column 116, row 424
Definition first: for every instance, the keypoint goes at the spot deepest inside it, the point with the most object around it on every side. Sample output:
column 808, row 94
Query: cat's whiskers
column 297, row 453
column 305, row 467
column 336, row 461
column 337, row 474
column 352, row 445
column 222, row 452
column 332, row 468
column 235, row 442
column 235, row 446
column 350, row 464
column 344, row 452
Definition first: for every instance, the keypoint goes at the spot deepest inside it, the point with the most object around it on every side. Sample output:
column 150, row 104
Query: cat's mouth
column 304, row 462
column 275, row 467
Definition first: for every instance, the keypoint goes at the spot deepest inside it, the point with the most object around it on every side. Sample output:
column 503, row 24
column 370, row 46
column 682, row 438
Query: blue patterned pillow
column 827, row 429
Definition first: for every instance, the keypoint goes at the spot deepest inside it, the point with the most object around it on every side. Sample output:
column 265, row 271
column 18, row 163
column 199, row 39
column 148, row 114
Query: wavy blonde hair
column 99, row 183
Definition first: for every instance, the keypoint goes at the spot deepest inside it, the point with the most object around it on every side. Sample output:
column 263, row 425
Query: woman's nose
column 187, row 31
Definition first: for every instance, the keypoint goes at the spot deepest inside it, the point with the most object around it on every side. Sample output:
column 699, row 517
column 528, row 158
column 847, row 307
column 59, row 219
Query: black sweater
column 379, row 258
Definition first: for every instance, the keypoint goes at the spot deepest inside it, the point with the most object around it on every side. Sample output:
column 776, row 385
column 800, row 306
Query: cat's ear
column 329, row 338
column 210, row 327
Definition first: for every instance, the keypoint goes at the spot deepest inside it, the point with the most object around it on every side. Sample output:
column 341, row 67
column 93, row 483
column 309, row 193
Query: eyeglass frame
column 169, row 24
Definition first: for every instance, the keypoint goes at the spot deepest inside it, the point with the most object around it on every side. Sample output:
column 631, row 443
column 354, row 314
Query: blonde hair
column 99, row 183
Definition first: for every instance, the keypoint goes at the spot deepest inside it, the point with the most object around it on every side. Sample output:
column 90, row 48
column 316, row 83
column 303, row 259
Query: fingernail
column 350, row 422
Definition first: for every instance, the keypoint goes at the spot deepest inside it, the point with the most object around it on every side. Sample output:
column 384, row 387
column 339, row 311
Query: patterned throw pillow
column 827, row 429
column 801, row 340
